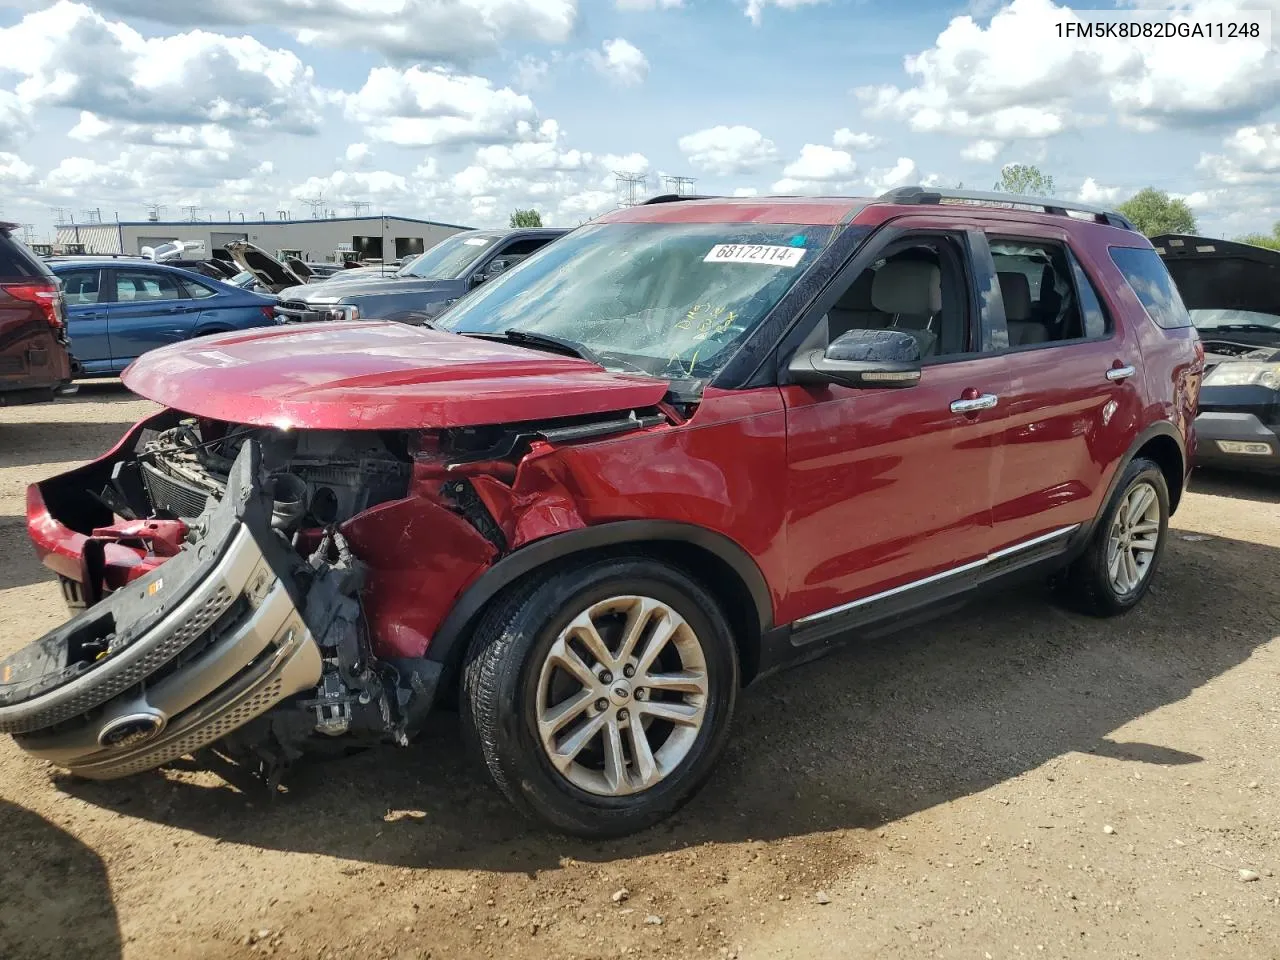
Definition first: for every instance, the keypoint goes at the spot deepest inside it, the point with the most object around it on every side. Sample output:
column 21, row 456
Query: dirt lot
column 1015, row 782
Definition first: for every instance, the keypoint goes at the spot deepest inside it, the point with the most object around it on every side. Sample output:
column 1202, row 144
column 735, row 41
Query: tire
column 517, row 669
column 1089, row 583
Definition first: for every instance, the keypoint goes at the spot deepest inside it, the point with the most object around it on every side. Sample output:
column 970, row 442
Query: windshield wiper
column 543, row 340
column 1241, row 328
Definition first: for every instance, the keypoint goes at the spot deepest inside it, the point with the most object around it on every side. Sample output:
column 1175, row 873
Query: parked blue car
column 119, row 308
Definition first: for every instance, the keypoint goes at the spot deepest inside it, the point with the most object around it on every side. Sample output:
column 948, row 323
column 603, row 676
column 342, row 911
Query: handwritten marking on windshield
column 706, row 319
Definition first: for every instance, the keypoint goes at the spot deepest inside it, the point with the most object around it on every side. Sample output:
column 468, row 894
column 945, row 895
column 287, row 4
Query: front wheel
column 599, row 696
column 1116, row 569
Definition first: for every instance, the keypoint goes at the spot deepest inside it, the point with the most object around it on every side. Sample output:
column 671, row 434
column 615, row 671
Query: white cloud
column 531, row 72
column 1252, row 155
column 818, row 168
column 1016, row 78
column 1093, row 192
column 445, row 31
column 14, row 118
column 89, row 127
column 642, row 6
column 755, row 8
column 426, row 107
column 15, row 170
column 621, row 61
column 746, row 192
column 901, row 174
column 846, row 139
column 357, row 154
column 982, row 151
column 725, row 151
column 70, row 56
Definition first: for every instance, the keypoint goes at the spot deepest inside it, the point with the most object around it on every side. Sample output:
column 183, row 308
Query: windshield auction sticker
column 769, row 256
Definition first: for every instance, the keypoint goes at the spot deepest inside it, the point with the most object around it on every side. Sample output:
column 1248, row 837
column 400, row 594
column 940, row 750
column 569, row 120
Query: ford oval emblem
column 131, row 730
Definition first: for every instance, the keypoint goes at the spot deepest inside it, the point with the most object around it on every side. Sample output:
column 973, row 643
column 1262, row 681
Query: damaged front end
column 237, row 638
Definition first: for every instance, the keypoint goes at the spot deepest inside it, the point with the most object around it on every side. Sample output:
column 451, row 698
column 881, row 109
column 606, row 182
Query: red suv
column 682, row 446
column 34, row 362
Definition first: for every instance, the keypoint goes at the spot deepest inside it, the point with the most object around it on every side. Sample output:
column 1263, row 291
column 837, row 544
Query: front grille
column 172, row 496
column 297, row 311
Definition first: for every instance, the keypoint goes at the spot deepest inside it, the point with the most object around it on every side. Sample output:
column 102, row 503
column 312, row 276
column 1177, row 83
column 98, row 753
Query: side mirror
column 861, row 358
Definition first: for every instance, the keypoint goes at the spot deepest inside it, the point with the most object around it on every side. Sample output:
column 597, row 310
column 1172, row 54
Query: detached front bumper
column 176, row 659
column 1239, row 441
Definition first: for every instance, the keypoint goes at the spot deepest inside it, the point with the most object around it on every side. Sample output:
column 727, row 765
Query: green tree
column 526, row 218
column 1024, row 179
column 1154, row 212
column 1271, row 241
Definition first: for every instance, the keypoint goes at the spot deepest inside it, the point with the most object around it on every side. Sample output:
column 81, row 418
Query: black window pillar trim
column 992, row 324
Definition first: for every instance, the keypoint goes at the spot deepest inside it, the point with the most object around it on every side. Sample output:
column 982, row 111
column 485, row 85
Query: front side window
column 667, row 299
column 450, row 258
column 1149, row 279
column 139, row 286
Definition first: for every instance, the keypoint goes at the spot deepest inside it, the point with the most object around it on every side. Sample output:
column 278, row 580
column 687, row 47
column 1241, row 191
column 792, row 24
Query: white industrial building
column 370, row 238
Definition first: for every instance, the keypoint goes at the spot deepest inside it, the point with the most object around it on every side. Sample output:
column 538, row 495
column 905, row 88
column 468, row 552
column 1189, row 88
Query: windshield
column 448, row 259
column 666, row 299
column 1208, row 319
column 243, row 279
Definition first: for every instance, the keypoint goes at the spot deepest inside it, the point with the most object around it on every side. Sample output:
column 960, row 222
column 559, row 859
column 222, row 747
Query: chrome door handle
column 1121, row 373
column 984, row 402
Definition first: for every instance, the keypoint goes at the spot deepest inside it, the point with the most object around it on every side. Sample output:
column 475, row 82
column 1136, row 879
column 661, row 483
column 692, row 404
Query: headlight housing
column 1244, row 373
column 344, row 311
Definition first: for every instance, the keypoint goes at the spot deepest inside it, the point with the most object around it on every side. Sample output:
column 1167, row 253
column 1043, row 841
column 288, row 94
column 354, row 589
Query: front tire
column 1116, row 570
column 599, row 695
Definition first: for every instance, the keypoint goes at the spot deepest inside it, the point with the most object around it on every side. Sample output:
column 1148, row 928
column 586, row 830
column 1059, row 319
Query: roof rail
column 1047, row 204
column 674, row 197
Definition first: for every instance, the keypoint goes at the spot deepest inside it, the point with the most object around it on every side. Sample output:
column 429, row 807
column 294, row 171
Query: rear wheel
column 599, row 696
column 1116, row 569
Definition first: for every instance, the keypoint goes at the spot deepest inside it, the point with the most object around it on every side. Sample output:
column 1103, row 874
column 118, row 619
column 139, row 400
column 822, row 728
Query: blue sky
column 460, row 110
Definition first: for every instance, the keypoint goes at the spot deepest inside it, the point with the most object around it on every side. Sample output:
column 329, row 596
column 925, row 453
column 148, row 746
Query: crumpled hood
column 371, row 375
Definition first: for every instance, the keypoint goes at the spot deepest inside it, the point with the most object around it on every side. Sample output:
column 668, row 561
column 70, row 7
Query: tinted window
column 450, row 258
column 1097, row 323
column 197, row 290
column 17, row 261
column 1147, row 276
column 133, row 286
column 80, row 286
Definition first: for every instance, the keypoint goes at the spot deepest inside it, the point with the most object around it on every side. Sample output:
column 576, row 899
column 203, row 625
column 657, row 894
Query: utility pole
column 631, row 187
column 680, row 186
column 155, row 210
column 192, row 211
column 62, row 216
column 92, row 216
column 358, row 206
column 316, row 204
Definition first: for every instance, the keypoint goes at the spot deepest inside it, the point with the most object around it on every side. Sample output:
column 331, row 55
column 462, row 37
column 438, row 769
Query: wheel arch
column 720, row 564
column 1161, row 443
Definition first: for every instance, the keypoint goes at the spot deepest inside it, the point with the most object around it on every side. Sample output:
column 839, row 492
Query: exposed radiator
column 173, row 496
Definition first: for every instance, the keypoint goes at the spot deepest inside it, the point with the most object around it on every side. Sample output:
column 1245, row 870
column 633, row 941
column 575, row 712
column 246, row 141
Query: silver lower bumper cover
column 194, row 650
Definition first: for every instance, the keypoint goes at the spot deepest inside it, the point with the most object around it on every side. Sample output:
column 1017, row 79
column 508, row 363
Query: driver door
column 890, row 490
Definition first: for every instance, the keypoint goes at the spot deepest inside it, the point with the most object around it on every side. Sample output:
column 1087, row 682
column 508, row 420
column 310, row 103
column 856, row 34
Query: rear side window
column 197, row 290
column 1148, row 277
column 17, row 261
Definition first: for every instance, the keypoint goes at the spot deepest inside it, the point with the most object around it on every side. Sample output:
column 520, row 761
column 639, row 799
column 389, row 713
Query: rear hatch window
column 17, row 262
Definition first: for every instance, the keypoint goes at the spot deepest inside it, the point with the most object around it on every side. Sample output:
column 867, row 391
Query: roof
column 189, row 224
column 101, row 260
column 6, row 225
column 815, row 211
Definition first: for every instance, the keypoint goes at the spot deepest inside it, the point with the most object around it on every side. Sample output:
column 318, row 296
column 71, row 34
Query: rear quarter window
column 17, row 261
column 1149, row 279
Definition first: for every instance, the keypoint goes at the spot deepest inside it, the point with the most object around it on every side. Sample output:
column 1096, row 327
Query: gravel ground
column 1015, row 781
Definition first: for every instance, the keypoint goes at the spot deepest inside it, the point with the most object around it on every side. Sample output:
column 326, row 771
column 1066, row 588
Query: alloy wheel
column 622, row 695
column 1133, row 538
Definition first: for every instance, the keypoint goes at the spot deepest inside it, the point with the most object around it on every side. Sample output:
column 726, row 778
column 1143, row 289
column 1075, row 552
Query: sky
column 462, row 110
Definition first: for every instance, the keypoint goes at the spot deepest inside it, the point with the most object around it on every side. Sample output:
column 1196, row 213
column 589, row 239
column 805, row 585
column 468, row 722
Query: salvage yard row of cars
column 591, row 495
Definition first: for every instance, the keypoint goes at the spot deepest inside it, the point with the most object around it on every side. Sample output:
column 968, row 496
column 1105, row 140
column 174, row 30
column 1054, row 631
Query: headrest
column 1016, row 292
column 912, row 287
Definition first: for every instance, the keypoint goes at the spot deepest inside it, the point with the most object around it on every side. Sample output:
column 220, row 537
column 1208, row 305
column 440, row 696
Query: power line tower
column 192, row 210
column 155, row 210
column 680, row 186
column 92, row 216
column 28, row 232
column 631, row 187
column 316, row 204
column 62, row 216
column 358, row 206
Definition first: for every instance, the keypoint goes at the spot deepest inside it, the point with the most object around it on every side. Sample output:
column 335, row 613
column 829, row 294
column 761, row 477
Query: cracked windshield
column 670, row 300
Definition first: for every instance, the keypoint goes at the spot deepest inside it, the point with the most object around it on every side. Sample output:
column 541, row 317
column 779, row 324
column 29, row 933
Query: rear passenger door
column 151, row 309
column 1072, row 397
column 890, row 490
column 87, row 317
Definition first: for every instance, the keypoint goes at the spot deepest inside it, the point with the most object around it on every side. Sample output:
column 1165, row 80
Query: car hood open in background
column 370, row 375
column 1221, row 275
column 271, row 273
